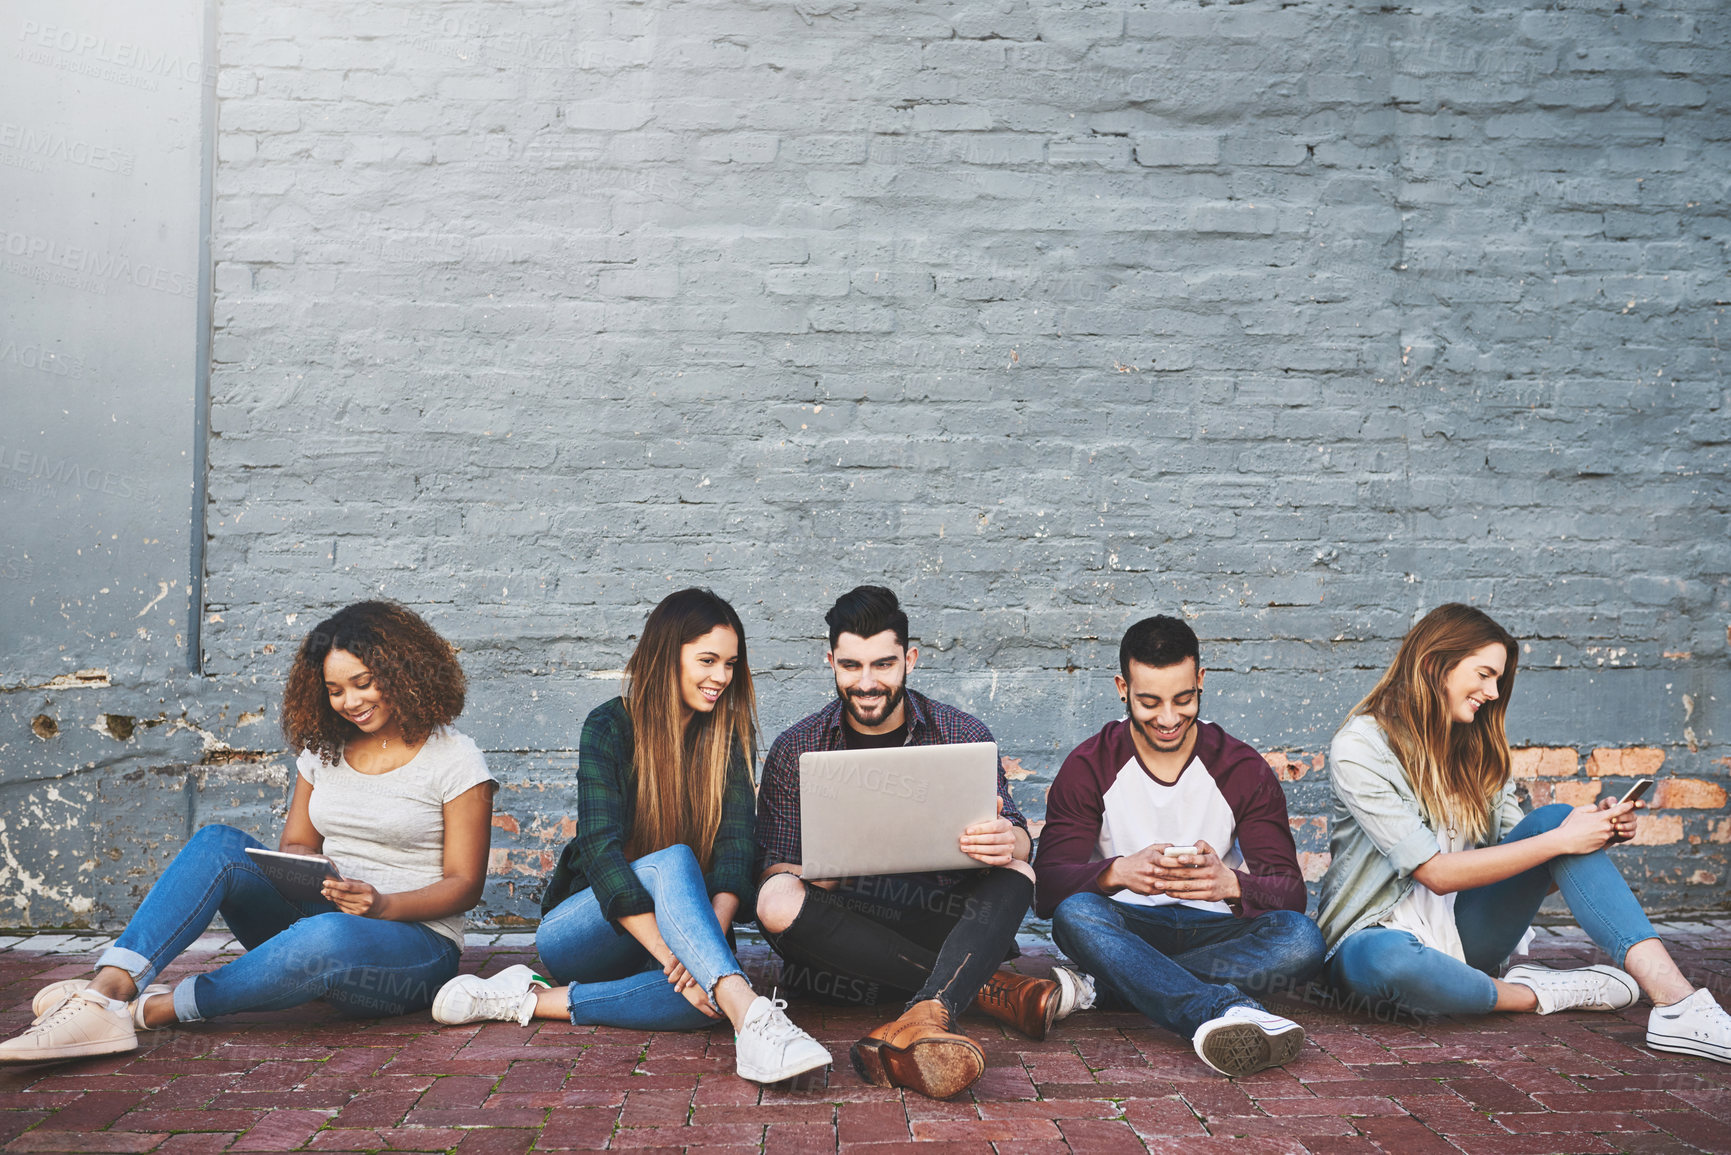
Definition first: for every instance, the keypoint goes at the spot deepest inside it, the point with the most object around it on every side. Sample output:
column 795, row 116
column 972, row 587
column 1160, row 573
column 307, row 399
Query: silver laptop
column 893, row 811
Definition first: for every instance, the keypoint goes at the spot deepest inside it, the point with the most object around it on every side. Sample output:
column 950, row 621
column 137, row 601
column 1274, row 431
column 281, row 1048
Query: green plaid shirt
column 606, row 802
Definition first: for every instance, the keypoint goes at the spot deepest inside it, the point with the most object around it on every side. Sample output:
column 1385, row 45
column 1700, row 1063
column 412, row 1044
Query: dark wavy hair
column 1159, row 641
column 416, row 671
column 867, row 611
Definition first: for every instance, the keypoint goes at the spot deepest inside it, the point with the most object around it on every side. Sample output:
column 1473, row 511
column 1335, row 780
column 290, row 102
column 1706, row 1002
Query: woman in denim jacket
column 1436, row 874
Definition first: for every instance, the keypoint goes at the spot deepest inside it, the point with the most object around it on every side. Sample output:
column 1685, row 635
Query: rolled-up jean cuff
column 711, row 991
column 129, row 961
column 186, row 1001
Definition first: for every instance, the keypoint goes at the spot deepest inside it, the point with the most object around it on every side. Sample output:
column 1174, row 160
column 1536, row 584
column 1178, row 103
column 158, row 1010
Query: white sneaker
column 770, row 1048
column 1595, row 988
column 1246, row 1039
column 85, row 1024
column 1075, row 991
column 1696, row 1025
column 508, row 996
column 54, row 994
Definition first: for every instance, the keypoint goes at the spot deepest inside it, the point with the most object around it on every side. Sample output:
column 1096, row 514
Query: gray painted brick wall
column 1296, row 321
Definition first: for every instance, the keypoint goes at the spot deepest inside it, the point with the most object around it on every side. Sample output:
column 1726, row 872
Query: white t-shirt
column 1421, row 912
column 1139, row 811
column 389, row 829
column 1427, row 915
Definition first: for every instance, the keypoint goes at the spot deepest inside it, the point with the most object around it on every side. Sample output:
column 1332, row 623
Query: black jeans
column 903, row 938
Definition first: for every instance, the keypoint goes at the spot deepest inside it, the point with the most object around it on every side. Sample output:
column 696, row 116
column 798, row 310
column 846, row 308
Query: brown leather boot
column 920, row 1050
column 1023, row 1002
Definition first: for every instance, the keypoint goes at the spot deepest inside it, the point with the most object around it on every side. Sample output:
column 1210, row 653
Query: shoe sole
column 936, row 1068
column 1680, row 1046
column 78, row 1051
column 1048, row 1015
column 1243, row 1048
column 784, row 1074
column 1069, row 995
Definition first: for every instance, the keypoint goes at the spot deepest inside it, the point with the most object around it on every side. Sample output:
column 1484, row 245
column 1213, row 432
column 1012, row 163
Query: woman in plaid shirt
column 636, row 915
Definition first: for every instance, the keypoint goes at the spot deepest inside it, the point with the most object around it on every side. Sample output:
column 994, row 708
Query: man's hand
column 993, row 842
column 1199, row 877
column 354, row 897
column 1137, row 873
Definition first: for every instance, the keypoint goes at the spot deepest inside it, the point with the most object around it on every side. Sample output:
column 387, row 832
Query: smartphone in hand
column 1633, row 793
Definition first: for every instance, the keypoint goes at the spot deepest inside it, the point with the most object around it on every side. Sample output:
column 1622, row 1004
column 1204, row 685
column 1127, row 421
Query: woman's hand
column 1589, row 828
column 1626, row 824
column 687, row 986
column 354, row 897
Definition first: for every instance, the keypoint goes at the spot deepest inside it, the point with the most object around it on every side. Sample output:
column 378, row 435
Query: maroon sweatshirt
column 1104, row 804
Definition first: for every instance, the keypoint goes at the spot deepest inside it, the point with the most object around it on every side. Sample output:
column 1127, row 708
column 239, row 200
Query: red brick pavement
column 308, row 1081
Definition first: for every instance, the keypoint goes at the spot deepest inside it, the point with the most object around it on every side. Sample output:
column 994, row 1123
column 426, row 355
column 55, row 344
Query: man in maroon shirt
column 1167, row 866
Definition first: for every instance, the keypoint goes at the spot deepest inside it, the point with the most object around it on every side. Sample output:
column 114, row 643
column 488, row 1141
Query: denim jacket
column 1377, row 832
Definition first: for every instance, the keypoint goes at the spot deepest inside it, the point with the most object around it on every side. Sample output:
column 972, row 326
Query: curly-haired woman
column 398, row 801
column 1436, row 873
column 635, row 918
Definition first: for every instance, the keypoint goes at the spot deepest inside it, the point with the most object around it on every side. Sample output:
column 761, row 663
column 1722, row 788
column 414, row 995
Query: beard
column 1165, row 745
column 891, row 701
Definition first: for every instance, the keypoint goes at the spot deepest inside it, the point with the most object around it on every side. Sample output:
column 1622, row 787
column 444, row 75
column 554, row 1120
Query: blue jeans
column 613, row 981
column 295, row 951
column 1381, row 966
column 1181, row 966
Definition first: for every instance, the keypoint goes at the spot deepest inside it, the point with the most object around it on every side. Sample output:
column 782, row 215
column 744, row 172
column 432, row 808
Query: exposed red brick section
column 1292, row 767
column 1545, row 761
column 1625, row 762
column 1103, row 1083
column 1688, row 794
column 1657, row 830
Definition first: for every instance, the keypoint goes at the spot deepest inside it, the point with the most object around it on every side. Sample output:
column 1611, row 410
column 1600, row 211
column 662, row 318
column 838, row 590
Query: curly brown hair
column 416, row 670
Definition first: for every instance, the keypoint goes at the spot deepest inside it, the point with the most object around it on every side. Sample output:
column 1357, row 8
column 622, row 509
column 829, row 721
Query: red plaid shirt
column 929, row 724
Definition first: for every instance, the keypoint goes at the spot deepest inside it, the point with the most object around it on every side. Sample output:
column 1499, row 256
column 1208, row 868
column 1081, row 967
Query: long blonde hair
column 1456, row 769
column 682, row 768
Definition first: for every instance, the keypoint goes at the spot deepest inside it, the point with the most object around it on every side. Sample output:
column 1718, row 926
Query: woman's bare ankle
column 734, row 996
column 1515, row 997
column 114, row 983
column 159, row 1010
column 1653, row 969
column 553, row 1003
